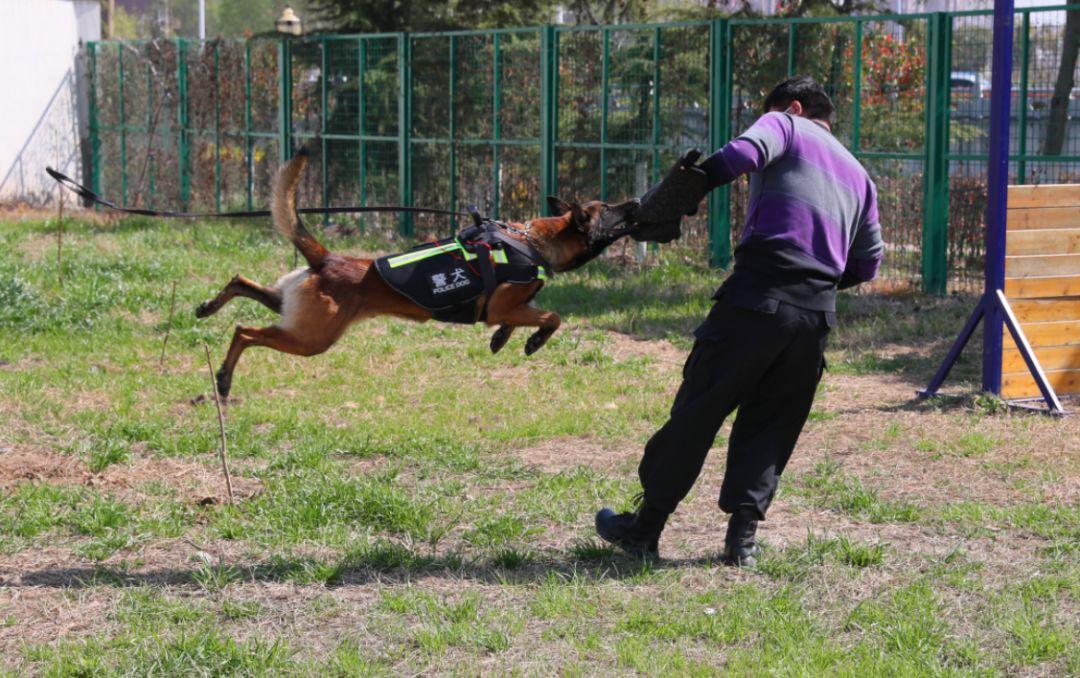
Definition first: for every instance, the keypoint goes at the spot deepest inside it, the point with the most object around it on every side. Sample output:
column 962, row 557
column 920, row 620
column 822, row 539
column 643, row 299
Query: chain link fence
column 502, row 118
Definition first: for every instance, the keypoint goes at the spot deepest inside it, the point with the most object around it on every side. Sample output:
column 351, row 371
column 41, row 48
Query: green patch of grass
column 828, row 487
column 558, row 597
column 462, row 621
column 100, row 516
column 858, row 554
column 499, row 530
column 592, row 551
column 1034, row 638
column 561, row 497
column 300, row 570
column 974, row 444
column 330, row 507
column 641, row 656
column 385, row 555
column 910, row 628
column 32, row 511
column 350, row 658
column 191, row 651
column 237, row 610
column 146, row 610
column 216, row 576
column 1047, row 521
column 511, row 558
column 795, row 562
column 105, row 453
column 821, row 415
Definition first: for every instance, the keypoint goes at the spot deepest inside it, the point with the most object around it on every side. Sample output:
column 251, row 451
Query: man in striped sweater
column 811, row 228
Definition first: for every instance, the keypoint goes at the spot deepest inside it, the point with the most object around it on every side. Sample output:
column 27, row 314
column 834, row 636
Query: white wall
column 39, row 92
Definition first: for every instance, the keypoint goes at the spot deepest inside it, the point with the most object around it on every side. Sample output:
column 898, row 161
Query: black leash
column 85, row 193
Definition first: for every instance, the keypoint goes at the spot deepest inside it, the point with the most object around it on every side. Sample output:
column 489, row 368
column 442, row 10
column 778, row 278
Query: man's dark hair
column 804, row 89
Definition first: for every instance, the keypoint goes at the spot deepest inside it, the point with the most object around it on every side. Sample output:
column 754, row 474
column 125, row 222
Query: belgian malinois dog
column 319, row 302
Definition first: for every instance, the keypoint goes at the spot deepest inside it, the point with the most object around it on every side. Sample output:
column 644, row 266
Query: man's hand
column 664, row 205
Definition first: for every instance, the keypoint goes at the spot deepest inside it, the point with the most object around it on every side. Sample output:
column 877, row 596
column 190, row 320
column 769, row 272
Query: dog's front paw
column 501, row 336
column 538, row 339
column 204, row 309
column 224, row 384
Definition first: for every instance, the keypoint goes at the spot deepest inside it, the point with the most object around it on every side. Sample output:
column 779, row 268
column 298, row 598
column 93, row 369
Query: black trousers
column 765, row 362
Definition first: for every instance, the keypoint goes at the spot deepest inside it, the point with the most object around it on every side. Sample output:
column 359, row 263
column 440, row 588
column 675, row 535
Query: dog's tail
column 283, row 209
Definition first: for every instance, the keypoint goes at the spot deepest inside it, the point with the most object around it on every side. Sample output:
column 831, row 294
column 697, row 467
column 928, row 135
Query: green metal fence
column 502, row 118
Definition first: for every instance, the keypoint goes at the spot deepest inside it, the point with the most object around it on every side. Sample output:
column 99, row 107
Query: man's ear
column 559, row 207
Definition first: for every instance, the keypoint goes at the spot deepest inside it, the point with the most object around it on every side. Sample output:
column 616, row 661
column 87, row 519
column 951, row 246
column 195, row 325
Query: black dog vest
column 448, row 277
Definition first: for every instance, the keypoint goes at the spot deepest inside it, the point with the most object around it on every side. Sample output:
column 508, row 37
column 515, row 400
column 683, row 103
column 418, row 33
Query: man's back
column 812, row 213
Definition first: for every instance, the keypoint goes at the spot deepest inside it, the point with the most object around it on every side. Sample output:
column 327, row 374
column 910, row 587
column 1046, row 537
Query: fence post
column 856, row 114
column 324, row 155
column 605, row 67
column 183, row 149
column 792, row 48
column 549, row 62
column 123, row 123
column 1025, row 64
column 496, row 124
column 217, row 123
column 150, row 125
column 719, row 131
column 655, row 177
column 452, row 127
column 935, row 235
column 95, row 133
column 249, row 150
column 360, row 125
column 285, row 99
column 405, row 130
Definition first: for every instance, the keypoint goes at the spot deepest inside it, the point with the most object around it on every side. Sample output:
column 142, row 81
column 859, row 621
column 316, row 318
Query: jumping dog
column 319, row 302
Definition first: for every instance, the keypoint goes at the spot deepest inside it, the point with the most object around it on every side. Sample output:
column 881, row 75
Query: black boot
column 740, row 547
column 637, row 533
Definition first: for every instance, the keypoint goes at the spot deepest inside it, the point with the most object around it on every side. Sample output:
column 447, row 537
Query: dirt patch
column 876, row 429
column 192, row 481
column 623, row 346
column 558, row 455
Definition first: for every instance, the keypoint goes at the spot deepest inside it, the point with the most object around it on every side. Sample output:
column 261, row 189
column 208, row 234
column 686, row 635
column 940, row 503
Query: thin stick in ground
column 60, row 241
column 168, row 327
column 221, row 425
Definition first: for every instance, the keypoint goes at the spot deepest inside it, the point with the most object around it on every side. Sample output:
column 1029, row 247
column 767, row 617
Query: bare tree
column 1066, row 79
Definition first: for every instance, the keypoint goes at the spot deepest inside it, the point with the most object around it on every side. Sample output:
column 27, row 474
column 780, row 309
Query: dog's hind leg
column 240, row 286
column 274, row 337
column 501, row 336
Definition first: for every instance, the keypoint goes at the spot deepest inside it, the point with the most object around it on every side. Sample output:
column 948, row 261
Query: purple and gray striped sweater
column 812, row 222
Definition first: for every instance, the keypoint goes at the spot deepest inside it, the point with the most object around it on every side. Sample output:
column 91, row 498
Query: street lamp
column 289, row 23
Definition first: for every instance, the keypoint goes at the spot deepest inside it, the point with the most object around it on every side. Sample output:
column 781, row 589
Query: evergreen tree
column 384, row 16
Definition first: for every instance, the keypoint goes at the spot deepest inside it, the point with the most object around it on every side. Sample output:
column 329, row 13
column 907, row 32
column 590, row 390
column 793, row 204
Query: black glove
column 664, row 205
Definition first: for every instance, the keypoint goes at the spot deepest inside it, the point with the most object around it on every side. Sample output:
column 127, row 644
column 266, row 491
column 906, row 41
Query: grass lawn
column 410, row 504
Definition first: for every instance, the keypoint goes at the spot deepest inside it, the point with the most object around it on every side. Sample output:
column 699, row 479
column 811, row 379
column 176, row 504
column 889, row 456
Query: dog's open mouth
column 616, row 220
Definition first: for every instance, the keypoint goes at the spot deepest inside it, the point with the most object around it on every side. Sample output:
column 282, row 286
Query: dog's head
column 583, row 231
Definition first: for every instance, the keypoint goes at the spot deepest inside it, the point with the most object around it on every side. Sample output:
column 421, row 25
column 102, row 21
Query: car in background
column 968, row 85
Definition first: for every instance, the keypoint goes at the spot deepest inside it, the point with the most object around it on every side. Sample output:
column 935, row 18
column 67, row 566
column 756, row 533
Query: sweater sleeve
column 767, row 140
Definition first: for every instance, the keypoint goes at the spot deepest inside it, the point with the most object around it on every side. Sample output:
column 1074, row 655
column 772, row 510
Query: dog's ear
column 559, row 207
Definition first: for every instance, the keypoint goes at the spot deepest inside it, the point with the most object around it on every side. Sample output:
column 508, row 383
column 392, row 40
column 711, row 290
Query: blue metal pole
column 997, row 186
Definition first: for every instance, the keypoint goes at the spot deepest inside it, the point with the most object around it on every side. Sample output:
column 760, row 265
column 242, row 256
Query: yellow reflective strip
column 411, row 257
column 500, row 257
